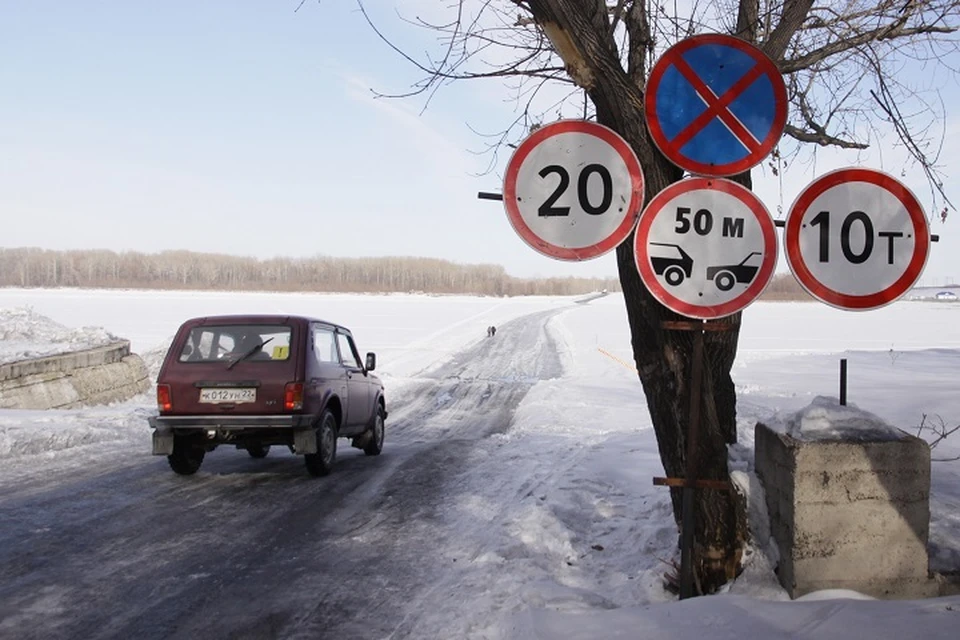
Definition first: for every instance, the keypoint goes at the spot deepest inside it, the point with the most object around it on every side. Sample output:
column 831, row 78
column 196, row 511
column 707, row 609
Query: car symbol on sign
column 726, row 276
column 675, row 268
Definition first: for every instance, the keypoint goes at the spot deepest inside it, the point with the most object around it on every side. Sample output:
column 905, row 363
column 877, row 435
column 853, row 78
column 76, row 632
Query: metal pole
column 843, row 382
column 688, row 519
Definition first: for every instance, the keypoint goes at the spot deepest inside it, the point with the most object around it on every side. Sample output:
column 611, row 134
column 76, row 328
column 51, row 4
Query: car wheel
column 724, row 281
column 186, row 457
column 375, row 445
column 258, row 450
column 673, row 275
column 321, row 462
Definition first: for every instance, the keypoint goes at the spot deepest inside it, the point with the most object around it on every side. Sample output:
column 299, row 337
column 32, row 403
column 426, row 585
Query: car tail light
column 293, row 396
column 164, row 402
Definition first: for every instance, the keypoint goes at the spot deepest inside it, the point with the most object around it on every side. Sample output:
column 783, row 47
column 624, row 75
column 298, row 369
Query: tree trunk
column 663, row 357
column 664, row 362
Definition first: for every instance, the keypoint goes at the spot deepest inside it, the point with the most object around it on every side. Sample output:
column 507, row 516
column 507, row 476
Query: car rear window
column 217, row 343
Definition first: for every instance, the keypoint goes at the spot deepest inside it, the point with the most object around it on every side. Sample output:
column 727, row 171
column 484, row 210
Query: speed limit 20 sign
column 705, row 247
column 573, row 190
column 856, row 239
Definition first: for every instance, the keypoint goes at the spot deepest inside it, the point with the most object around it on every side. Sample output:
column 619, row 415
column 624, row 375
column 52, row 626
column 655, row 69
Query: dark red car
column 261, row 380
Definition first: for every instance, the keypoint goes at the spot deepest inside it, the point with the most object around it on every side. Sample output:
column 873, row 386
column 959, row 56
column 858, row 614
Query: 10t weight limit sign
column 573, row 190
column 857, row 239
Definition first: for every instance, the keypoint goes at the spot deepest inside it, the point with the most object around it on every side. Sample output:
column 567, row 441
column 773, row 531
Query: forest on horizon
column 106, row 269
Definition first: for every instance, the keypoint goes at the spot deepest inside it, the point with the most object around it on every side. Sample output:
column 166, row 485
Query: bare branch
column 822, row 138
column 794, row 12
column 937, row 431
column 832, row 56
column 896, row 119
column 748, row 17
column 639, row 44
column 888, row 32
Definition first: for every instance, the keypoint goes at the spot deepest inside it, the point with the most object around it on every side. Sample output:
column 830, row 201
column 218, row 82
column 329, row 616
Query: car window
column 324, row 345
column 348, row 354
column 211, row 343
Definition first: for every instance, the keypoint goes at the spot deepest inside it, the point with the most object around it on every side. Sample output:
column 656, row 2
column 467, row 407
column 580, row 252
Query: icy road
column 112, row 544
column 513, row 499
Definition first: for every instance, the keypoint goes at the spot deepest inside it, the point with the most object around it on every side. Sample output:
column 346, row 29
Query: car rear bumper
column 221, row 429
column 230, row 422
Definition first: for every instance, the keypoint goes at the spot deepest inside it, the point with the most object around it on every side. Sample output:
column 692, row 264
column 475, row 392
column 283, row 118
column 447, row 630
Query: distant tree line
column 784, row 286
column 31, row 267
column 100, row 268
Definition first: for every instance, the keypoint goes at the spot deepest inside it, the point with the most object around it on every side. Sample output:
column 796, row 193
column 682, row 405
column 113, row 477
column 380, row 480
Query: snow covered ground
column 578, row 548
column 25, row 334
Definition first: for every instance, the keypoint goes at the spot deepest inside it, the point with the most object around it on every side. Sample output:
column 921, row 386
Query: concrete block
column 37, row 391
column 849, row 509
column 64, row 362
column 94, row 376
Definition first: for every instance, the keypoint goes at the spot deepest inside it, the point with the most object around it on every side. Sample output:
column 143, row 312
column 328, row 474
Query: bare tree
column 853, row 68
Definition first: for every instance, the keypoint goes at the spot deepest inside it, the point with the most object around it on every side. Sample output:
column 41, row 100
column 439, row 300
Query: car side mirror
column 371, row 361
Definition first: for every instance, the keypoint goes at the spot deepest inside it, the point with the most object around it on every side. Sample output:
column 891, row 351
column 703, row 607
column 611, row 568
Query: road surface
column 109, row 543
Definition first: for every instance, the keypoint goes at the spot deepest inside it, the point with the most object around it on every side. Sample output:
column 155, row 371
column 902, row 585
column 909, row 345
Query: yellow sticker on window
column 280, row 353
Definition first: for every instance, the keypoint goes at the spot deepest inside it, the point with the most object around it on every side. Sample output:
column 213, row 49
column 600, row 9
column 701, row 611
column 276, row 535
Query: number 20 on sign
column 856, row 239
column 573, row 190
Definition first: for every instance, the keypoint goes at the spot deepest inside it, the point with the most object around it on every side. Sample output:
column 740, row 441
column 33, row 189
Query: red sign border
column 921, row 249
column 766, row 145
column 635, row 205
column 764, row 275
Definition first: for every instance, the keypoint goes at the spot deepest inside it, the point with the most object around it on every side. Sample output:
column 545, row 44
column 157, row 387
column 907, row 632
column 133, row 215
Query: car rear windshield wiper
column 250, row 352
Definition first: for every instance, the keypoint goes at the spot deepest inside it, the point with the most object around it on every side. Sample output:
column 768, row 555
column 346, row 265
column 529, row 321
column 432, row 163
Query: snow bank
column 731, row 617
column 28, row 433
column 25, row 334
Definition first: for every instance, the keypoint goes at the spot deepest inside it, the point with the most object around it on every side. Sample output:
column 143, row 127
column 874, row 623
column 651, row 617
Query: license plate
column 236, row 396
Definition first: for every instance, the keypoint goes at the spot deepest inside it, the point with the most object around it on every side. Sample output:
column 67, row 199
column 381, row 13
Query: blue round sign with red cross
column 715, row 105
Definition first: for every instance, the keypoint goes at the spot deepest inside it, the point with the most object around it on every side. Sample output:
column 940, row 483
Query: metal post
column 843, row 382
column 687, row 522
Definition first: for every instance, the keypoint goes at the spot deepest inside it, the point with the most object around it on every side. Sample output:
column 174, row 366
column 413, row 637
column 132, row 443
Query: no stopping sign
column 573, row 190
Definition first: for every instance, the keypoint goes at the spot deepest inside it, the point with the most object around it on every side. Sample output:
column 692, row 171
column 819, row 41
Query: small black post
column 843, row 382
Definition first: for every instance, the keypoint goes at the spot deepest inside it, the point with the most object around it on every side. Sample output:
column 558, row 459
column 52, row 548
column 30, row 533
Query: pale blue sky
column 248, row 128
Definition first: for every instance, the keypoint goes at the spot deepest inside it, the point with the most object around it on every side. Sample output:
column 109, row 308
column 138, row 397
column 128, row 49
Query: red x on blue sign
column 715, row 105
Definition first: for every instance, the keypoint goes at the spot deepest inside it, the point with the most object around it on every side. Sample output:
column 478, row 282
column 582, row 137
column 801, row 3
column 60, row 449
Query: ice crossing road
column 113, row 545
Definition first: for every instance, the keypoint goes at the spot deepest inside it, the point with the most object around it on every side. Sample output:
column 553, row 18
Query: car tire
column 321, row 462
column 724, row 280
column 674, row 276
column 378, row 431
column 258, row 450
column 186, row 457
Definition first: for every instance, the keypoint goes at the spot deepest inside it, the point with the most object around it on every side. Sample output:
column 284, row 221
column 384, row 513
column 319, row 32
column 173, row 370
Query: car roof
column 259, row 319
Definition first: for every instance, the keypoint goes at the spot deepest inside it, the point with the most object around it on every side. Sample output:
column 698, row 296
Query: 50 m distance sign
column 705, row 247
column 573, row 190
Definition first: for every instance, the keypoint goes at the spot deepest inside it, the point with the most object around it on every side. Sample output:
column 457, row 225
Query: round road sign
column 705, row 247
column 715, row 105
column 573, row 190
column 856, row 239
